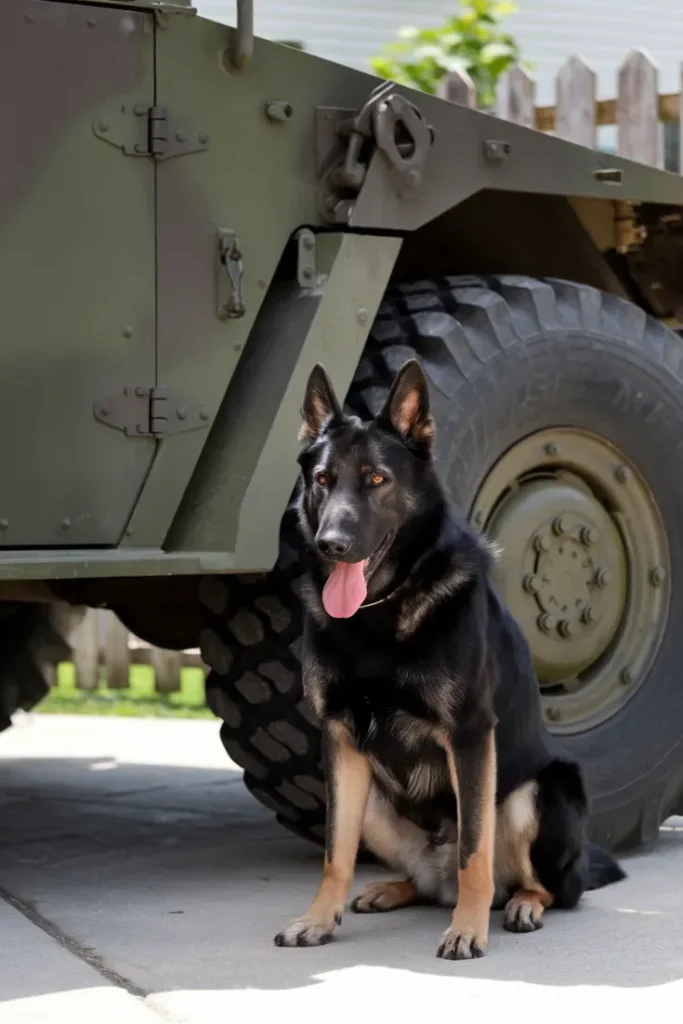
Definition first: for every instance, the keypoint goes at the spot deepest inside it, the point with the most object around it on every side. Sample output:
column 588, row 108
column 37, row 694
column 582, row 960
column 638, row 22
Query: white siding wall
column 602, row 31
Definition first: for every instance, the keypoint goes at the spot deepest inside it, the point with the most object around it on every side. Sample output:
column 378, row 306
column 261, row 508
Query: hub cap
column 584, row 568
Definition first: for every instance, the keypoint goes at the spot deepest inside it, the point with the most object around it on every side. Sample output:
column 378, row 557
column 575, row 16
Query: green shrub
column 471, row 40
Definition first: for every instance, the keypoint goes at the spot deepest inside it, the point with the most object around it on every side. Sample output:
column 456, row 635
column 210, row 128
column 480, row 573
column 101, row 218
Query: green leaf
column 494, row 51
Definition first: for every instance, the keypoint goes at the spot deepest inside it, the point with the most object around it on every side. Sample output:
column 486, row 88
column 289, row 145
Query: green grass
column 138, row 701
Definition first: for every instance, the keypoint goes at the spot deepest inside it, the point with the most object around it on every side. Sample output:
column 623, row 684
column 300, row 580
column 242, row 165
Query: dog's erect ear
column 407, row 407
column 320, row 405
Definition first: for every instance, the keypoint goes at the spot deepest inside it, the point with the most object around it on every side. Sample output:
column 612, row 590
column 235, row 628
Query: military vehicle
column 190, row 218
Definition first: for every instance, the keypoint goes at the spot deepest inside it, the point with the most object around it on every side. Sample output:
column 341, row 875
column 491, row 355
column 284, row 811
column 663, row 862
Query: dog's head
column 362, row 482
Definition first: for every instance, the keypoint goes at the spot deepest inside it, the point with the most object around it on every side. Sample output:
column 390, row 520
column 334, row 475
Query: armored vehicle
column 190, row 218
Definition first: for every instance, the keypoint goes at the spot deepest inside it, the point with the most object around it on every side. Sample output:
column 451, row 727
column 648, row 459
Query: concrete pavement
column 139, row 878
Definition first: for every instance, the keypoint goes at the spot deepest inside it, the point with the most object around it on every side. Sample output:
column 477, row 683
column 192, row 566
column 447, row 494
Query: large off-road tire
column 33, row 641
column 506, row 358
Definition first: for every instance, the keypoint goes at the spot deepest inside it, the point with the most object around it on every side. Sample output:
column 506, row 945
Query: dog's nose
column 333, row 544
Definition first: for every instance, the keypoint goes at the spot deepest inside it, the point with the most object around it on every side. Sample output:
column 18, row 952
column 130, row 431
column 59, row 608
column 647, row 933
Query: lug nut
column 564, row 628
column 626, row 676
column 657, row 576
column 546, row 622
column 588, row 614
column 542, row 543
column 559, row 525
column 603, row 577
column 588, row 536
column 621, row 474
column 552, row 450
column 532, row 584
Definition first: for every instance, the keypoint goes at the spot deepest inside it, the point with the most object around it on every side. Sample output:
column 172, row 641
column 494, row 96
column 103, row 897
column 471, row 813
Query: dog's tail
column 601, row 868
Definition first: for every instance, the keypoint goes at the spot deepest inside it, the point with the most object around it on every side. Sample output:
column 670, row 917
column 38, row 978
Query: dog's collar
column 382, row 600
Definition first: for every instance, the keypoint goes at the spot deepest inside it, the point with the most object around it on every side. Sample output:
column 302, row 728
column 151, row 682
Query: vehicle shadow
column 177, row 879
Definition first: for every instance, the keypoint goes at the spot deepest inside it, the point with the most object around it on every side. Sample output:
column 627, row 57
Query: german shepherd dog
column 435, row 750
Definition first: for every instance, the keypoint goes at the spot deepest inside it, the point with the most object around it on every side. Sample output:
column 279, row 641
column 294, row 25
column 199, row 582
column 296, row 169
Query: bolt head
column 362, row 316
column 551, row 449
column 542, row 543
column 621, row 474
column 532, row 584
column 413, row 178
column 104, row 410
column 546, row 622
column 127, row 331
column 657, row 576
column 203, row 415
column 603, row 577
column 588, row 614
column 307, row 242
column 553, row 714
column 626, row 676
column 203, row 138
column 181, row 136
column 4, row 523
column 65, row 523
column 103, row 126
column 140, row 391
column 564, row 628
column 181, row 414
column 307, row 273
column 589, row 536
column 559, row 525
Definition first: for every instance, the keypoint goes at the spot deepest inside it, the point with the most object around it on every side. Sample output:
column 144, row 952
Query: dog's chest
column 396, row 732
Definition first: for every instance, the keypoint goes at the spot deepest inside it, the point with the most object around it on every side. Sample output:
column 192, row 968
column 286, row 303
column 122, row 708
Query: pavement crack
column 89, row 956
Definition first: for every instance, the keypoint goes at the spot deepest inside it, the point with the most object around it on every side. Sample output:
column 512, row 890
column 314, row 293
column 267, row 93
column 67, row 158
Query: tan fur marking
column 516, row 830
column 415, row 609
column 313, row 674
column 409, row 729
column 469, row 930
column 351, row 780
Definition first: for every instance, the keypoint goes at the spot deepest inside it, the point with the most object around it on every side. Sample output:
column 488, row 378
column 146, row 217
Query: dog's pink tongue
column 345, row 590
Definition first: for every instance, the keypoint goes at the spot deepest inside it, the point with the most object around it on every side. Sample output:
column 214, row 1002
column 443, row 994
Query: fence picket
column 516, row 97
column 638, row 132
column 458, row 87
column 575, row 89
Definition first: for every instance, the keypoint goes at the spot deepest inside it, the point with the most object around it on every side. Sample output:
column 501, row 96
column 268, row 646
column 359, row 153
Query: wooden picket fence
column 103, row 651
column 638, row 111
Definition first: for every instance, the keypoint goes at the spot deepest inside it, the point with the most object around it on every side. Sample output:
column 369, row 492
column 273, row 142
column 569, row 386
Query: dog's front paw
column 458, row 944
column 307, row 931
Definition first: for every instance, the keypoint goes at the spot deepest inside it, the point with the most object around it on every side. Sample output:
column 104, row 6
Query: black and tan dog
column 436, row 752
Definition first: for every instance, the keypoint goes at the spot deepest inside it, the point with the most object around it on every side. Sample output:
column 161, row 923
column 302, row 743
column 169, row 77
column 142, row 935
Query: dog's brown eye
column 321, row 479
column 376, row 479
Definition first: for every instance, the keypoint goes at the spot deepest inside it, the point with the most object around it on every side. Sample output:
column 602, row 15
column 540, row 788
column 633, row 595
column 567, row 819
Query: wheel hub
column 584, row 568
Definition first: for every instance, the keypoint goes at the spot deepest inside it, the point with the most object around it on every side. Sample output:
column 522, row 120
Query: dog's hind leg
column 382, row 896
column 517, row 825
column 402, row 845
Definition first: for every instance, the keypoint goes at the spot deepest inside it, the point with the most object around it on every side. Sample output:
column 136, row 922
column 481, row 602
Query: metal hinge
column 150, row 412
column 141, row 130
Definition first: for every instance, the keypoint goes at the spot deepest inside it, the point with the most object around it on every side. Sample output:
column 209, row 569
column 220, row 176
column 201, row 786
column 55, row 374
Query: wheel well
column 575, row 239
